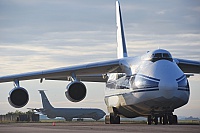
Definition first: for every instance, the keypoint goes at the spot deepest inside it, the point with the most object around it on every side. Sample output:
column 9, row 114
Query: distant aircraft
column 151, row 85
column 68, row 113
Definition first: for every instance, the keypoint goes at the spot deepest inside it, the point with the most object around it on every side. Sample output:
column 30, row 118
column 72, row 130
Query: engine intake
column 18, row 97
column 76, row 91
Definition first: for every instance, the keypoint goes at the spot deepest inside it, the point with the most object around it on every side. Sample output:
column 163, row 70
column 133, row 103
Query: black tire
column 114, row 119
column 149, row 120
column 117, row 120
column 165, row 120
column 170, row 119
column 156, row 120
column 107, row 119
column 175, row 119
column 161, row 119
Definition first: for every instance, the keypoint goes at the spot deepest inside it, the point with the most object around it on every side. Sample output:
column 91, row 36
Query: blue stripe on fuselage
column 148, row 77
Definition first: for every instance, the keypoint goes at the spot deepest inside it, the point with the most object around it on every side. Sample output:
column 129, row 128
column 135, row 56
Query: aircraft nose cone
column 167, row 72
column 167, row 87
column 168, row 84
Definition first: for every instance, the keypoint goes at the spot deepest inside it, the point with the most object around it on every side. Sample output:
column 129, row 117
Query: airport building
column 19, row 118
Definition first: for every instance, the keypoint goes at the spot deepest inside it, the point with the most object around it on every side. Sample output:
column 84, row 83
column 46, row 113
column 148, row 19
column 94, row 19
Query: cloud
column 161, row 12
column 36, row 35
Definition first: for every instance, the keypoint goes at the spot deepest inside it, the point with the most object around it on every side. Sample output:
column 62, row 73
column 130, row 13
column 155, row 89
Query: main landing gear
column 164, row 119
column 112, row 119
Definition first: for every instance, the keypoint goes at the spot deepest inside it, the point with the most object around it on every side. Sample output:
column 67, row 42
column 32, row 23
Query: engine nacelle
column 18, row 97
column 76, row 91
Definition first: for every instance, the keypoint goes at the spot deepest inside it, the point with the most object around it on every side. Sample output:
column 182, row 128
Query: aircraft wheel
column 175, row 120
column 114, row 119
column 165, row 120
column 149, row 120
column 156, row 120
column 107, row 119
column 161, row 119
column 170, row 119
column 117, row 120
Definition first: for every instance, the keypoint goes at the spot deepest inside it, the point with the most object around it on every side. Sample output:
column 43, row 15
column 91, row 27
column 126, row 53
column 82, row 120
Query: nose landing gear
column 112, row 119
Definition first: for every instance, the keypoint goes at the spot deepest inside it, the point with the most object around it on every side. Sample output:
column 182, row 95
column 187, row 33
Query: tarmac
column 94, row 127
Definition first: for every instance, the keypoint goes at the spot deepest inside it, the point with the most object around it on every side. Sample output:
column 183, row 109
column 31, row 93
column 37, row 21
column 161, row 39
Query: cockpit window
column 160, row 56
column 166, row 55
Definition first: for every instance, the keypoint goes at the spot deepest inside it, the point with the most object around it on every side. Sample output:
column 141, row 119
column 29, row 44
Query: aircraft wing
column 188, row 66
column 89, row 78
column 78, row 70
column 36, row 109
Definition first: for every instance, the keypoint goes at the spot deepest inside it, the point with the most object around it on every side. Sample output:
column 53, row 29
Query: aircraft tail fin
column 121, row 42
column 45, row 102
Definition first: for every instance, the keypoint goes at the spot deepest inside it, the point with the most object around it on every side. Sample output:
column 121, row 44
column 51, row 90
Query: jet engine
column 76, row 91
column 18, row 97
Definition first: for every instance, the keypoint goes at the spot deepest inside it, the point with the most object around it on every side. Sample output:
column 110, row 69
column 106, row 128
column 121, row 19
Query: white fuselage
column 148, row 86
column 70, row 113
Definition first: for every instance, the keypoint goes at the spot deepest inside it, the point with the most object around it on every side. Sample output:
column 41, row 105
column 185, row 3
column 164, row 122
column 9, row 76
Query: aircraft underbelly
column 136, row 104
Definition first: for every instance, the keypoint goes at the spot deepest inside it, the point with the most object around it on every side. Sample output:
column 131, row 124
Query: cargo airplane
column 67, row 113
column 151, row 85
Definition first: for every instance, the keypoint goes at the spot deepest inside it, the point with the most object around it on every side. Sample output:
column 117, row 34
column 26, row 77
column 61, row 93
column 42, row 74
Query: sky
column 44, row 34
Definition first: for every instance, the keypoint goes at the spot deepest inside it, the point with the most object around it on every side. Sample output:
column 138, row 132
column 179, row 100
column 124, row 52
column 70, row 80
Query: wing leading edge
column 79, row 70
column 188, row 66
